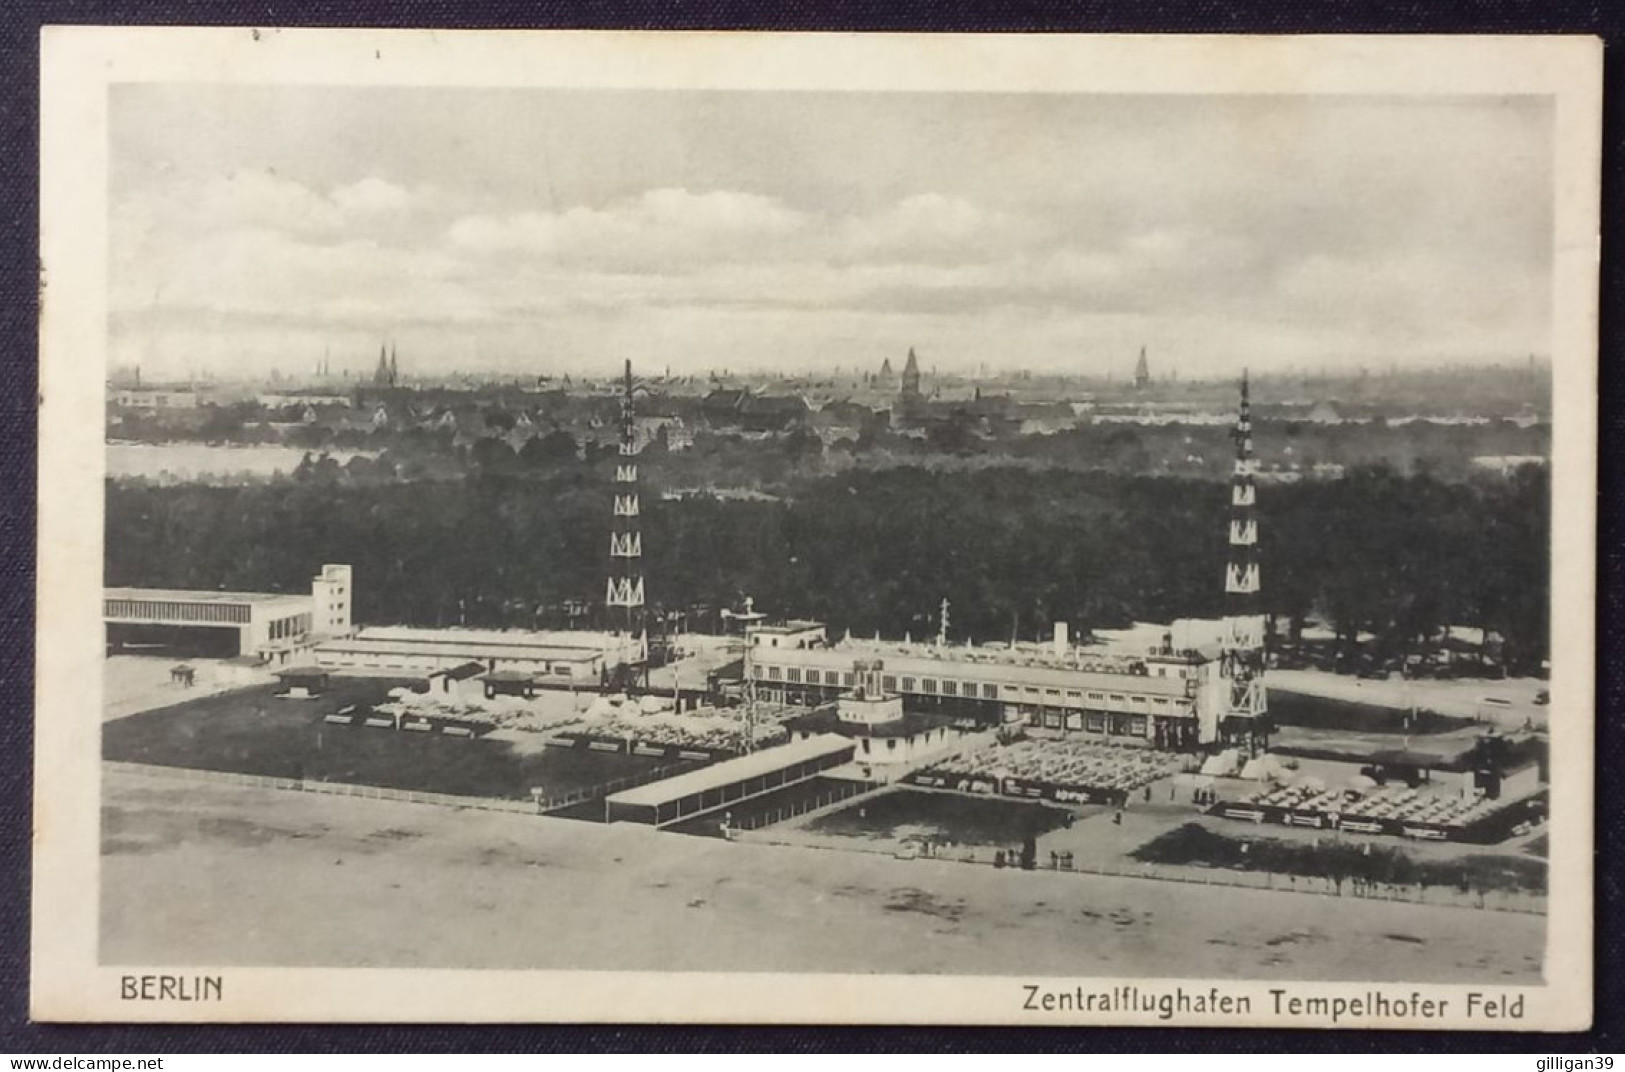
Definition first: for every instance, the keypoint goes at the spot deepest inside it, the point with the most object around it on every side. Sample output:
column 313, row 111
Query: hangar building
column 269, row 626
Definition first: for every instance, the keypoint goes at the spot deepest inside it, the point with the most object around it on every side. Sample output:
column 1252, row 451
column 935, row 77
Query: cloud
column 722, row 254
column 1438, row 297
column 932, row 228
column 252, row 242
column 371, row 196
column 656, row 231
column 1006, row 227
column 257, row 271
column 675, row 229
column 183, row 206
column 702, row 271
column 261, row 199
column 924, row 253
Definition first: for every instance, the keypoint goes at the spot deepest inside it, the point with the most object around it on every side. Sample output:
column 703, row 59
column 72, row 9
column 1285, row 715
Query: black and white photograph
column 919, row 531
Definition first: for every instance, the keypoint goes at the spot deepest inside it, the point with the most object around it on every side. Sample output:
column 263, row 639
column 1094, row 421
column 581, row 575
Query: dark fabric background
column 19, row 110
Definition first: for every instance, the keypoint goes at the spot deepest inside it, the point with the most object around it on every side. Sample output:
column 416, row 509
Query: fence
column 345, row 789
column 378, row 792
column 1443, row 896
column 802, row 807
column 592, row 792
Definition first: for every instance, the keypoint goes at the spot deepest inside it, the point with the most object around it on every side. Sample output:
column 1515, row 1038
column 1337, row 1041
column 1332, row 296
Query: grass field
column 254, row 732
column 194, row 873
column 1193, row 843
column 1326, row 713
column 942, row 817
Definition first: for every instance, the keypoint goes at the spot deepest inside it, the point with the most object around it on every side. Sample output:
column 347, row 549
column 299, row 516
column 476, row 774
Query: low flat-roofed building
column 266, row 625
column 449, row 678
column 884, row 750
column 560, row 658
column 792, row 634
column 150, row 398
column 301, row 682
column 889, row 740
column 520, row 683
column 714, row 787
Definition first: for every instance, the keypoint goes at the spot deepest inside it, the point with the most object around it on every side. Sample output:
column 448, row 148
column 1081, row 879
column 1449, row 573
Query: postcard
column 757, row 528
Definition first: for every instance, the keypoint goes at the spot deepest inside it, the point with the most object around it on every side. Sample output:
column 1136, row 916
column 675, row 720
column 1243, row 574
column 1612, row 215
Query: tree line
column 1012, row 549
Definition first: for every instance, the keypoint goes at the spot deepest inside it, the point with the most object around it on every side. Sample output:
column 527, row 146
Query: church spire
column 911, row 375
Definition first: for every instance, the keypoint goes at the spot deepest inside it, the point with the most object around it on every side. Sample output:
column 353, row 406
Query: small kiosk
column 302, row 682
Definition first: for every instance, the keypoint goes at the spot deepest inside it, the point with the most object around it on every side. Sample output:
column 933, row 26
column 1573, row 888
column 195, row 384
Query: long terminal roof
column 513, row 638
column 989, row 670
column 729, row 771
column 458, row 650
column 205, row 595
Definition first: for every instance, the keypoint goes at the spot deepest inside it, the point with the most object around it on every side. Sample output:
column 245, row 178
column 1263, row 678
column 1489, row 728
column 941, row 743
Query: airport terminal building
column 268, row 626
column 1167, row 698
column 280, row 629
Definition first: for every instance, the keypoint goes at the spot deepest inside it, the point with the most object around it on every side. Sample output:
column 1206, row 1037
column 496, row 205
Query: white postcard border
column 78, row 66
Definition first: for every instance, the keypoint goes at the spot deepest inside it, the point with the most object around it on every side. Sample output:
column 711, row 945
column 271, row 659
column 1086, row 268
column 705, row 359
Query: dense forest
column 1396, row 555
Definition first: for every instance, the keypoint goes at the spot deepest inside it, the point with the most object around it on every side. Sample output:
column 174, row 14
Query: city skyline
column 507, row 232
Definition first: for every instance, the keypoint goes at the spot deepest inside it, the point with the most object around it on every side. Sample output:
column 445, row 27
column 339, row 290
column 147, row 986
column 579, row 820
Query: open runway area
column 213, row 874
column 1505, row 702
column 252, row 731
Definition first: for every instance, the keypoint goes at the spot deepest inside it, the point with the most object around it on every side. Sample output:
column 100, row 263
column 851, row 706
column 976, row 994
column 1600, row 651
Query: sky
column 542, row 231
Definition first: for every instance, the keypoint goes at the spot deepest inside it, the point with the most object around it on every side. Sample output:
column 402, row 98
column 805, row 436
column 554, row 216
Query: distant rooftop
column 482, row 649
column 582, row 640
column 828, row 720
column 303, row 673
column 461, row 672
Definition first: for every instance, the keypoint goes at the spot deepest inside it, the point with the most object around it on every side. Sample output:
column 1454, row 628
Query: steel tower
column 625, row 587
column 1241, row 659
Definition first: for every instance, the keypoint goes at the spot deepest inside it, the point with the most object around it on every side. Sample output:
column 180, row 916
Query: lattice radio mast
column 625, row 586
column 1241, row 660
